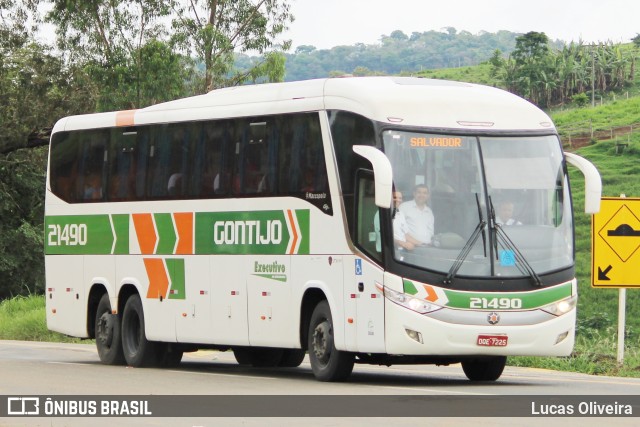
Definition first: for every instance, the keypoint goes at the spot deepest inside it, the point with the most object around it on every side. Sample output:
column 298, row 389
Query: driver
column 419, row 216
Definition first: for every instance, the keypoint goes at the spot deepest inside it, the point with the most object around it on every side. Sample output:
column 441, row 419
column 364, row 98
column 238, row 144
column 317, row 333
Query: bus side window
column 303, row 171
column 253, row 161
column 92, row 172
column 64, row 170
column 169, row 160
column 367, row 215
column 122, row 173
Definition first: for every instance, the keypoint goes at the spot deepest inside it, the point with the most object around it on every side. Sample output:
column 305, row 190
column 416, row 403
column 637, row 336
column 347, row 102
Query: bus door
column 364, row 303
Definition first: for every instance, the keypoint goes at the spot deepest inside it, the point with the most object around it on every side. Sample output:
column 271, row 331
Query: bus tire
column 258, row 357
column 170, row 356
column 138, row 351
column 327, row 363
column 484, row 369
column 242, row 355
column 107, row 332
column 265, row 357
column 291, row 358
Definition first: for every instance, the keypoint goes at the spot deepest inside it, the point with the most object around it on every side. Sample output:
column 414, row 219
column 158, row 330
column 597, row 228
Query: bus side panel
column 228, row 291
column 269, row 301
column 192, row 298
column 99, row 269
column 65, row 295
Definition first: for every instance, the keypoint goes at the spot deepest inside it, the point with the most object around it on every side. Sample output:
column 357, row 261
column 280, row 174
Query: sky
column 328, row 23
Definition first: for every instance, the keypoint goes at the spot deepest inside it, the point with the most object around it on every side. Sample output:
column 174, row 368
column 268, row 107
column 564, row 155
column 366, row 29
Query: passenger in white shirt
column 401, row 236
column 504, row 216
column 419, row 216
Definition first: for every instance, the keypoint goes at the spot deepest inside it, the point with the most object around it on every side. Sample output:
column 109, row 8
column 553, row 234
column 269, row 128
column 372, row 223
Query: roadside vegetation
column 23, row 318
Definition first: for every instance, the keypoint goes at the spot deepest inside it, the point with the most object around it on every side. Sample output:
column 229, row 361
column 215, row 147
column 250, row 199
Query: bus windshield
column 480, row 206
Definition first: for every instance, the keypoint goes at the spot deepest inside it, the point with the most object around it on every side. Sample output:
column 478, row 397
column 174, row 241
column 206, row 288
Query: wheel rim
column 322, row 342
column 104, row 332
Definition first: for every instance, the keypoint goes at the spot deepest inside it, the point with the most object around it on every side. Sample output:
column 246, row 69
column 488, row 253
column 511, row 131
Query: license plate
column 492, row 340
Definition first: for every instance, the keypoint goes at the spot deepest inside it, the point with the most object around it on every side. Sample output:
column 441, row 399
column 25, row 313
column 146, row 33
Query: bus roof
column 401, row 101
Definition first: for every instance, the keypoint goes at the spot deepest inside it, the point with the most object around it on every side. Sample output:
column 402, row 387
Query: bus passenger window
column 92, row 187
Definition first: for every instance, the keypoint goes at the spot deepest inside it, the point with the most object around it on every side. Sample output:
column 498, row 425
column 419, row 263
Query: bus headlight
column 561, row 307
column 415, row 304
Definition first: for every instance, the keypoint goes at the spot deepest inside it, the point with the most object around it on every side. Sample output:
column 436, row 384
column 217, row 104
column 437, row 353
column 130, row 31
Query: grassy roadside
column 24, row 319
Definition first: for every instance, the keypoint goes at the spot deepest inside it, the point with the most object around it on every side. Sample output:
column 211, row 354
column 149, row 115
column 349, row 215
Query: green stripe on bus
column 220, row 233
column 177, row 278
column 78, row 234
column 530, row 300
column 166, row 234
column 121, row 227
column 252, row 232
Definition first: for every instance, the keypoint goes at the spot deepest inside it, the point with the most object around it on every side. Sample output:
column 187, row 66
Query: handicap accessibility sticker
column 358, row 267
column 507, row 258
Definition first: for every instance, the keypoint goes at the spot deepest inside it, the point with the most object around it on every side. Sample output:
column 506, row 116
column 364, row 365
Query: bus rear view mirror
column 592, row 182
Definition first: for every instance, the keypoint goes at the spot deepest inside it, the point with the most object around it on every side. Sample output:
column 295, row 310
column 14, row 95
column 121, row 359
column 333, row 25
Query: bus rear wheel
column 484, row 369
column 327, row 363
column 138, row 351
column 107, row 332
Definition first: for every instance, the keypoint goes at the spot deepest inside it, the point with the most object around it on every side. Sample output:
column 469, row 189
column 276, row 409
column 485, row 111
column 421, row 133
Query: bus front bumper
column 456, row 332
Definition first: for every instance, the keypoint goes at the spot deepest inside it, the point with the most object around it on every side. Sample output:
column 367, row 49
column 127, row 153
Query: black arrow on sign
column 602, row 275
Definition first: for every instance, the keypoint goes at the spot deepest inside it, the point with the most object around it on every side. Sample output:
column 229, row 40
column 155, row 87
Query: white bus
column 259, row 219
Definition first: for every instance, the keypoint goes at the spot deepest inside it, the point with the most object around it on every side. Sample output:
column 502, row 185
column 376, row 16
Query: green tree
column 215, row 29
column 531, row 57
column 120, row 43
column 36, row 88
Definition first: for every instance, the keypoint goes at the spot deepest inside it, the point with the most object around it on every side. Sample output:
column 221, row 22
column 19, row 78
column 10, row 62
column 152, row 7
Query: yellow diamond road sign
column 615, row 244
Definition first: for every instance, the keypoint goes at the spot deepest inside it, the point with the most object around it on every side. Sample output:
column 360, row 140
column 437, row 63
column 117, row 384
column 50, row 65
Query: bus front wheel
column 327, row 363
column 138, row 351
column 484, row 369
column 107, row 331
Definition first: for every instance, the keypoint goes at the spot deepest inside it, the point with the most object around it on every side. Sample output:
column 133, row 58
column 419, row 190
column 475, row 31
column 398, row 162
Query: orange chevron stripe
column 125, row 118
column 146, row 232
column 158, row 278
column 294, row 231
column 431, row 294
column 184, row 225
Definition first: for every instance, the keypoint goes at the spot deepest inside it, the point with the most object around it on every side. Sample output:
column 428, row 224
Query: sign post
column 615, row 249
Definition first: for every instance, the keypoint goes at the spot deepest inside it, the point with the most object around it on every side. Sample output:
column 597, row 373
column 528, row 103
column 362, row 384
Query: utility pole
column 593, row 73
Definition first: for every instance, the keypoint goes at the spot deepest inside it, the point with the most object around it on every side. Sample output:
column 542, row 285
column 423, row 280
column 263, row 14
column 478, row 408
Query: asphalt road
column 51, row 369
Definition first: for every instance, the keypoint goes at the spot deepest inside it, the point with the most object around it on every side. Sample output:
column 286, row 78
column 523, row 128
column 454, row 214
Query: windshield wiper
column 480, row 229
column 500, row 236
